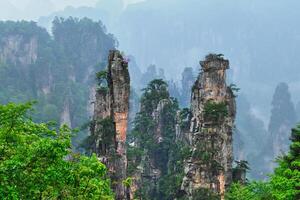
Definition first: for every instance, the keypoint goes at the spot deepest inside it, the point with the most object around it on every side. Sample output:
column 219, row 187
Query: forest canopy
column 36, row 161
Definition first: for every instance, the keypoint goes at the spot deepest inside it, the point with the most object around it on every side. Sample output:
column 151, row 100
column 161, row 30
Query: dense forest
column 80, row 120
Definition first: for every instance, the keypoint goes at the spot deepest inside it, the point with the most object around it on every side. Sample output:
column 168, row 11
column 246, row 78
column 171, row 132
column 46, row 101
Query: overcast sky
column 57, row 4
column 33, row 9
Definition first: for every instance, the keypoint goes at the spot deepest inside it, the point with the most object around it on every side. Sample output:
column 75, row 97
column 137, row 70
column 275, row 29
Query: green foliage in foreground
column 284, row 184
column 253, row 191
column 36, row 161
column 286, row 179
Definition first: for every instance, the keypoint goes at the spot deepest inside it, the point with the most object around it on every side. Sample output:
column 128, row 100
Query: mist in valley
column 167, row 38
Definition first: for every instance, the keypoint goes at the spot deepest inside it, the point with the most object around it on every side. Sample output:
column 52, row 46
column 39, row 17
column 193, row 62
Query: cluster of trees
column 169, row 155
column 36, row 161
column 60, row 79
column 24, row 28
column 155, row 148
column 215, row 111
column 284, row 183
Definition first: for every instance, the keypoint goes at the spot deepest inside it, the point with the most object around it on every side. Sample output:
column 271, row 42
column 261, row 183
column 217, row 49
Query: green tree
column 155, row 91
column 36, row 161
column 286, row 179
column 253, row 191
column 166, row 154
column 205, row 194
column 215, row 111
column 284, row 184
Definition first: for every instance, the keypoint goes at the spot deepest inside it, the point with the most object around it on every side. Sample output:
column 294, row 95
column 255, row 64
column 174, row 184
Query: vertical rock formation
column 283, row 117
column 149, row 171
column 156, row 160
column 110, row 121
column 153, row 138
column 56, row 70
column 210, row 136
column 187, row 82
column 152, row 72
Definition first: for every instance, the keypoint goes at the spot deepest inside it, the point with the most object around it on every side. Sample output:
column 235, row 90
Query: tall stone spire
column 110, row 121
column 210, row 136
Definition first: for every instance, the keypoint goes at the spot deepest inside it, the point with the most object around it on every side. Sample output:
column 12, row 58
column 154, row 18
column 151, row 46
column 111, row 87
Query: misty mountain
column 173, row 35
column 260, row 38
column 57, row 72
column 242, row 31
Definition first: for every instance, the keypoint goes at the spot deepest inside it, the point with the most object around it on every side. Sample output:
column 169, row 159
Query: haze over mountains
column 174, row 34
column 260, row 38
column 18, row 10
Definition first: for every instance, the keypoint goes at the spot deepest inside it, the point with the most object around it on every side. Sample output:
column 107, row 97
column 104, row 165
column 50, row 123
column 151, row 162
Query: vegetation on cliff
column 56, row 71
column 36, row 161
column 215, row 111
column 152, row 145
column 110, row 120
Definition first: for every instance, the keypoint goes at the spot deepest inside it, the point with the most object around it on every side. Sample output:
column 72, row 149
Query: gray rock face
column 283, row 118
column 210, row 135
column 187, row 82
column 111, row 117
column 149, row 171
column 158, row 118
column 18, row 50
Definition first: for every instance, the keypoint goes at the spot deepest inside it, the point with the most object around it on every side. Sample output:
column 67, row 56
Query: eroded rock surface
column 110, row 121
column 210, row 135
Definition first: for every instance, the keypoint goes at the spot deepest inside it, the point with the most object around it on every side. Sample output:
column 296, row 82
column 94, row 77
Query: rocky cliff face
column 151, row 143
column 187, row 82
column 17, row 50
column 283, row 117
column 20, row 51
column 148, row 172
column 210, row 135
column 110, row 121
column 57, row 71
column 155, row 161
